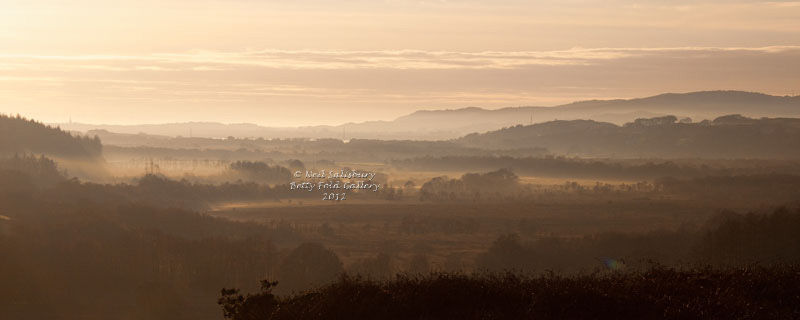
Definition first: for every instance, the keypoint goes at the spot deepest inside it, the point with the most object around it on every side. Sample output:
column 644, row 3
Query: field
column 356, row 229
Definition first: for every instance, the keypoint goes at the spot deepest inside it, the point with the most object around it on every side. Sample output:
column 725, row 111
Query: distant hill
column 22, row 136
column 700, row 105
column 728, row 136
column 449, row 124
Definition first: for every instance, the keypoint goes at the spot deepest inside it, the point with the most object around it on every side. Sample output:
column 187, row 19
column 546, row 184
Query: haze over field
column 399, row 159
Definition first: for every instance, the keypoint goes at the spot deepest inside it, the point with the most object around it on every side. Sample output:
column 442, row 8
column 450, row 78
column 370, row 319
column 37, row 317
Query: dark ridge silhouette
column 658, row 293
column 732, row 136
column 19, row 135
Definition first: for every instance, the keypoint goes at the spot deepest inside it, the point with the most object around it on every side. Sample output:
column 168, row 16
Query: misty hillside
column 727, row 136
column 20, row 136
column 696, row 105
column 448, row 124
column 703, row 102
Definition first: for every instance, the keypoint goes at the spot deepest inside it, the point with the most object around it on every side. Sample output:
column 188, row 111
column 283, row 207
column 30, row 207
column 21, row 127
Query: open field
column 357, row 229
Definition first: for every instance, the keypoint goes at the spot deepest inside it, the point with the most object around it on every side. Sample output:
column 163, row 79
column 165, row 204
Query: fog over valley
column 353, row 159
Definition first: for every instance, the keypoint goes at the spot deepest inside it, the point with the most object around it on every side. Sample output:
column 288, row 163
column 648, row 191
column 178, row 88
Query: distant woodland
column 732, row 136
column 19, row 135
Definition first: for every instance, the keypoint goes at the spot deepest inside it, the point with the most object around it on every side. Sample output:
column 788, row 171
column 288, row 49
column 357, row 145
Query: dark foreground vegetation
column 658, row 293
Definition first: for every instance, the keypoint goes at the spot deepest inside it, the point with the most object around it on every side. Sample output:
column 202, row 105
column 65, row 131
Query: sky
column 311, row 62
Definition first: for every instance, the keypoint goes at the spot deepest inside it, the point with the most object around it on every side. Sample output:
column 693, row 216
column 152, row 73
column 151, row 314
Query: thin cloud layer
column 333, row 60
column 284, row 87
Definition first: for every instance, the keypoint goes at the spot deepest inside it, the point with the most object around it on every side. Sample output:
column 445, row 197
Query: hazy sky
column 332, row 61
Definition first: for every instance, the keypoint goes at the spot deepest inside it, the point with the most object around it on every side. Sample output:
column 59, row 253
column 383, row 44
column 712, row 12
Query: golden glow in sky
column 326, row 62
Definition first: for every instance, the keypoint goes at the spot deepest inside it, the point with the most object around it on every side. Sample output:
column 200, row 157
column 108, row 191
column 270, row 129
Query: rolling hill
column 732, row 136
column 449, row 124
